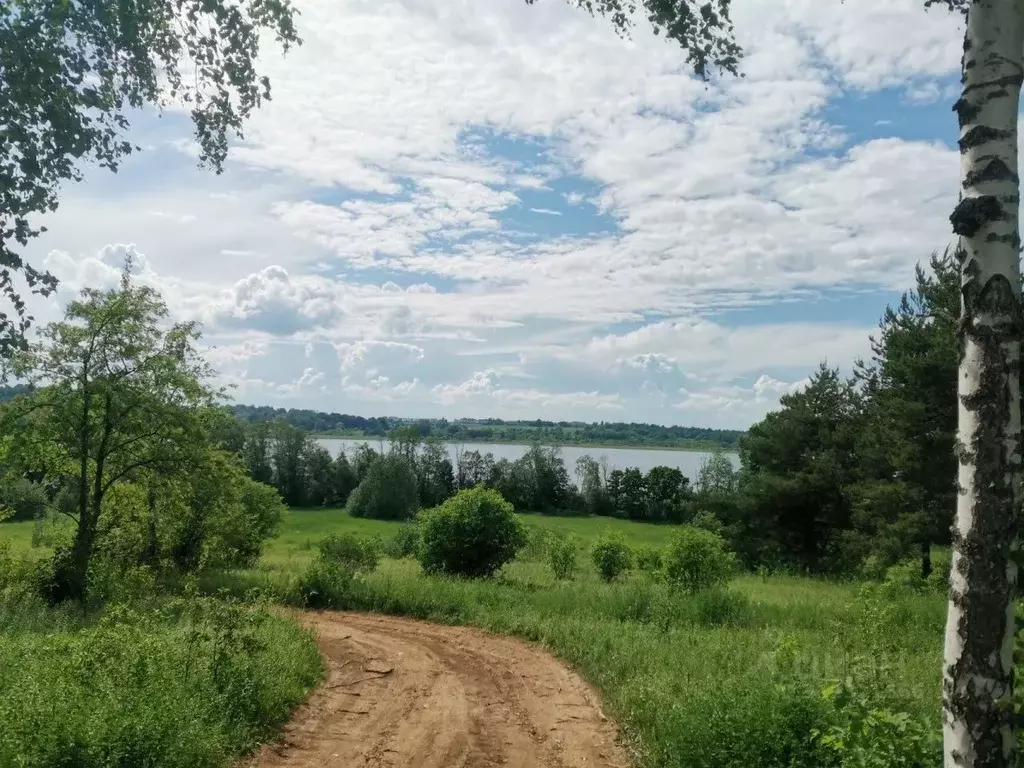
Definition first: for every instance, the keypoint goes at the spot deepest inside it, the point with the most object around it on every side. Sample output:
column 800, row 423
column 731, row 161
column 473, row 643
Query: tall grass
column 192, row 683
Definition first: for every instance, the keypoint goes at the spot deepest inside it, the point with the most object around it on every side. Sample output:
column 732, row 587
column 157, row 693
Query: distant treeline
column 496, row 430
column 414, row 473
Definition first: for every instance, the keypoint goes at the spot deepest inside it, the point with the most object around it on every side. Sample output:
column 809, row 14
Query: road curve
column 405, row 694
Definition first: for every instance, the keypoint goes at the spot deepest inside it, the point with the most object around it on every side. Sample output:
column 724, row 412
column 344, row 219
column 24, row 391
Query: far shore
column 691, row 448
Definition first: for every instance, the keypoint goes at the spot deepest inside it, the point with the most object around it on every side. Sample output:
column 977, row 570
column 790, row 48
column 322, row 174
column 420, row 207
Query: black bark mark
column 1007, row 81
column 972, row 213
column 995, row 169
column 1012, row 238
column 965, row 111
column 982, row 134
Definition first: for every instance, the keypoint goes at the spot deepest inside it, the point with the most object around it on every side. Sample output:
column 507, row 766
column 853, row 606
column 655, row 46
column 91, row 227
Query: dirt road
column 401, row 693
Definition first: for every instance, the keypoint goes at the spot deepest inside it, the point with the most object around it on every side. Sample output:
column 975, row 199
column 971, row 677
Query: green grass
column 18, row 535
column 191, row 683
column 303, row 529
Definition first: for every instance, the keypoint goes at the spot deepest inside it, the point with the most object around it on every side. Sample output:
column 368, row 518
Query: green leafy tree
column 474, row 533
column 633, row 494
column 474, row 469
column 405, row 441
column 613, row 486
column 717, row 474
column 365, row 457
column 698, row 560
column 73, row 71
column 257, row 452
column 716, row 490
column 287, row 446
column 388, row 492
column 318, row 472
column 592, row 490
column 213, row 517
column 668, row 494
column 434, row 473
column 118, row 393
column 345, row 479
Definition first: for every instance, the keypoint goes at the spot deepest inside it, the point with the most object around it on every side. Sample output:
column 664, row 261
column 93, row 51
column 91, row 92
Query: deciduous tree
column 71, row 72
column 118, row 394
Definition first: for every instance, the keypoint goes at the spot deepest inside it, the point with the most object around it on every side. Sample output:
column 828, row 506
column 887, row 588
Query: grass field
column 729, row 679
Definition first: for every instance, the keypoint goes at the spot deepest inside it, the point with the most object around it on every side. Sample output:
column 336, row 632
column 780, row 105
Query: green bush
column 388, row 492
column 611, row 556
column 193, row 684
column 360, row 554
column 707, row 521
column 698, row 560
column 867, row 727
column 474, row 533
column 648, row 559
column 23, row 500
column 562, row 556
column 324, row 584
column 405, row 543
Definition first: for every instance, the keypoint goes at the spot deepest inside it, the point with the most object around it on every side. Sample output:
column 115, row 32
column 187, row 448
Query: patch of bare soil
column 402, row 693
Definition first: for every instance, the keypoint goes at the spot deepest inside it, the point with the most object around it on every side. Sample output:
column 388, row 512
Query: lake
column 688, row 462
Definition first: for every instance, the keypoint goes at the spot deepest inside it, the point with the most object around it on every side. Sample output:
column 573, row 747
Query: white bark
column 978, row 664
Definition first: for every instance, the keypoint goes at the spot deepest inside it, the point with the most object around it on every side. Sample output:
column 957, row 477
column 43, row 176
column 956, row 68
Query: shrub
column 405, row 543
column 648, row 559
column 868, row 728
column 360, row 554
column 388, row 492
column 474, row 533
column 23, row 500
column 698, row 560
column 707, row 521
column 324, row 584
column 611, row 556
column 562, row 556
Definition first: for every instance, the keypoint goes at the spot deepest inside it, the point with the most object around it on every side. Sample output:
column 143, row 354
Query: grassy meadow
column 728, row 678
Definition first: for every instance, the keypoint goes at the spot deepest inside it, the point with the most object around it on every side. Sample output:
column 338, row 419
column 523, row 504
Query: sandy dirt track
column 401, row 693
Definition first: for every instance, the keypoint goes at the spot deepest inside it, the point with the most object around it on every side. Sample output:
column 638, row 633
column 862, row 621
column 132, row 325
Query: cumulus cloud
column 271, row 301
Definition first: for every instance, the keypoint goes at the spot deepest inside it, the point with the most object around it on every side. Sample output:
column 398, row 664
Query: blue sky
column 492, row 209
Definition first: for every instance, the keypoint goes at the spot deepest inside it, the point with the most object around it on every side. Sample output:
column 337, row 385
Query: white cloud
column 366, row 213
column 356, row 354
column 700, row 345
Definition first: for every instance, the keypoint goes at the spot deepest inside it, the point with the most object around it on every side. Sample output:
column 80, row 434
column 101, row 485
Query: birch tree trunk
column 978, row 728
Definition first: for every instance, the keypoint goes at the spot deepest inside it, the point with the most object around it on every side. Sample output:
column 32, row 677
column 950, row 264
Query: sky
column 473, row 208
